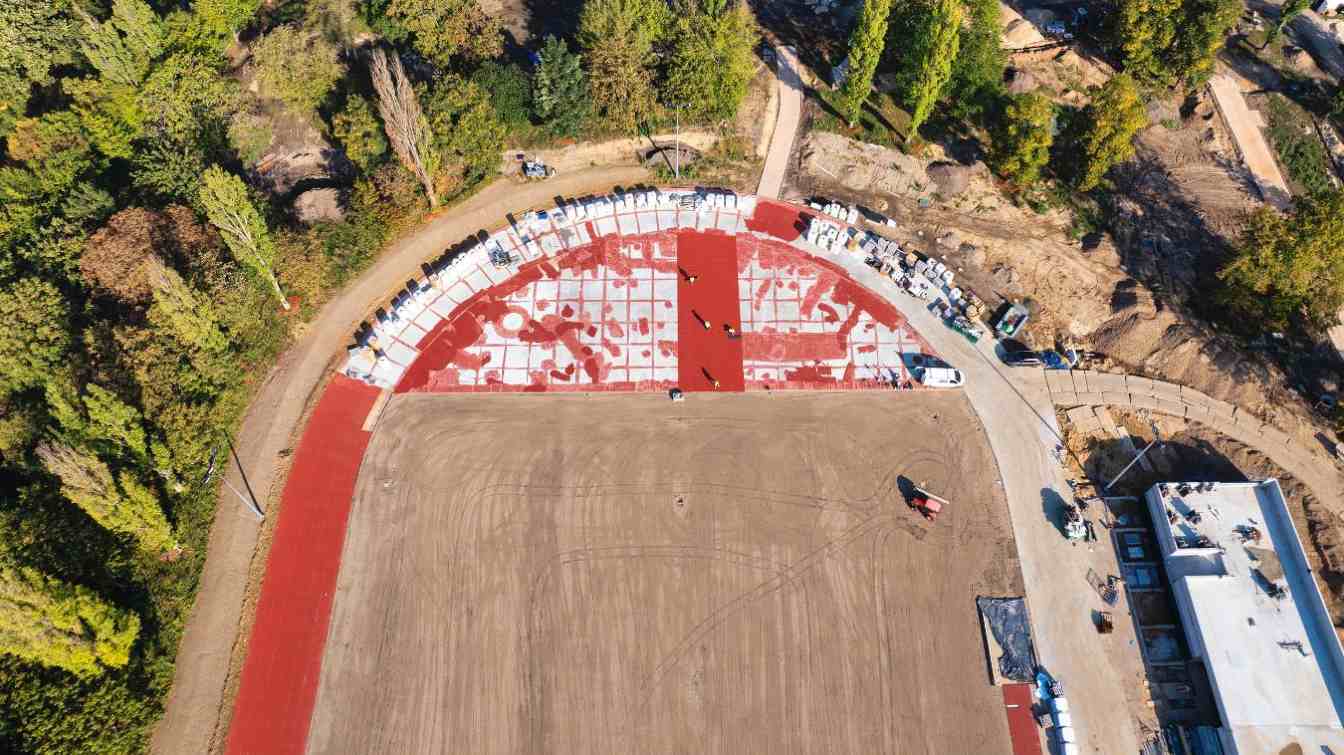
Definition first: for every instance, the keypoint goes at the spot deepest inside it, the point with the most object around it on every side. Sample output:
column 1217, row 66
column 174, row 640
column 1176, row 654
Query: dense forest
column 154, row 262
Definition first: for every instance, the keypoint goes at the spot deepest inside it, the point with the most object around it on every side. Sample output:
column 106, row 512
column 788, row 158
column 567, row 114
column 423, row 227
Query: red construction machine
column 927, row 504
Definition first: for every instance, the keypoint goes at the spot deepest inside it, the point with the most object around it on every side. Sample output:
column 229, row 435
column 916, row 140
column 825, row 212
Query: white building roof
column 1275, row 663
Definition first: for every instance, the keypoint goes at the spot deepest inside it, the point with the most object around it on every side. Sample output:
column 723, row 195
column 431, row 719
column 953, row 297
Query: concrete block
column 1198, row 412
column 1168, row 406
column 1091, row 399
column 1139, row 385
column 1083, row 419
column 1222, row 424
column 1106, row 382
column 1248, row 423
column 1222, row 408
column 1165, row 390
column 1192, row 396
column 1080, row 381
column 1144, row 401
column 1115, row 399
column 1275, row 438
column 1058, row 381
column 1064, row 398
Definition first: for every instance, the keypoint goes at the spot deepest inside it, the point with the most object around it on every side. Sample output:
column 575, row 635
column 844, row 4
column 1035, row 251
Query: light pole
column 1157, row 440
column 249, row 500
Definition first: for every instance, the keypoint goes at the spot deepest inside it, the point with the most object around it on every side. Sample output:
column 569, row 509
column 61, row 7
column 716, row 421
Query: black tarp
column 1008, row 620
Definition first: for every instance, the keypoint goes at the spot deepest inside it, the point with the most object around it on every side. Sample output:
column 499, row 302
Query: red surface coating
column 284, row 656
column 776, row 219
column 708, row 354
column 619, row 314
column 1017, row 701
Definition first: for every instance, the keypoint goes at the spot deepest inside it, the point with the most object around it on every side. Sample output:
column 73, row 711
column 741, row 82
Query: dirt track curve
column 192, row 722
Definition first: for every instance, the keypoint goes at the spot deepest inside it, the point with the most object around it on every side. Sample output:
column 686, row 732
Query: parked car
column 1023, row 359
column 942, row 377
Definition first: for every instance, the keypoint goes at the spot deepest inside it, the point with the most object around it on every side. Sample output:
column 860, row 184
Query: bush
column 510, row 90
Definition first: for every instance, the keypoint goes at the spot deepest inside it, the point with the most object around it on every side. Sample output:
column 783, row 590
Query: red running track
column 777, row 219
column 705, row 355
column 1017, row 701
column 284, row 655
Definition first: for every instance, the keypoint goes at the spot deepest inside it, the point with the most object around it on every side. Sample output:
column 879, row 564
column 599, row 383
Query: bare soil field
column 625, row 574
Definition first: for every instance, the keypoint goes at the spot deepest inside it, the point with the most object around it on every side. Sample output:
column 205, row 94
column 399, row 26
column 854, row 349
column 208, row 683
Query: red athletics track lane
column 1017, row 701
column 777, row 219
column 284, row 655
column 705, row 355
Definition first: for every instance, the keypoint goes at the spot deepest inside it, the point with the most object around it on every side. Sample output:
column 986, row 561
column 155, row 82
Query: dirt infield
column 615, row 573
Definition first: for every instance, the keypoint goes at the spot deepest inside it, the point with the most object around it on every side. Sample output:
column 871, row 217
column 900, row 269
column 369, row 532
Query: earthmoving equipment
column 927, row 504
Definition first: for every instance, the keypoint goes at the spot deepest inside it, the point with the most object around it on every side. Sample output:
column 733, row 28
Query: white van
column 942, row 377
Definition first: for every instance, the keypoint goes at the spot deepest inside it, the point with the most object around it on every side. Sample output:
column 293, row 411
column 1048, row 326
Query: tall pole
column 1152, row 443
column 678, row 168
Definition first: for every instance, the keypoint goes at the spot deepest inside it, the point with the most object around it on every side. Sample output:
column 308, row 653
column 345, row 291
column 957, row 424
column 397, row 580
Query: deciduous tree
column 618, row 37
column 926, row 67
column 1292, row 265
column 712, row 58
column 122, row 48
column 1022, row 141
column 468, row 136
column 61, row 625
column 559, row 88
column 865, row 51
column 406, row 126
column 1287, row 12
column 1202, row 31
column 977, row 72
column 360, row 134
column 1114, row 116
column 35, row 36
column 224, row 198
column 226, row 17
column 36, row 336
column 1144, row 33
column 189, row 315
column 297, row 66
column 444, row 29
column 123, row 505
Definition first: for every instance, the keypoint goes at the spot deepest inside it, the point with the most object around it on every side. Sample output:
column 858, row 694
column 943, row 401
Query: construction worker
column 732, row 332
column 705, row 323
column 716, row 384
column 690, row 279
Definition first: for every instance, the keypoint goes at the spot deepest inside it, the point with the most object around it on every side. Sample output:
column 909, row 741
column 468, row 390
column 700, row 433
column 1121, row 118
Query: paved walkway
column 1088, row 388
column 786, row 124
column 192, row 721
column 1246, row 126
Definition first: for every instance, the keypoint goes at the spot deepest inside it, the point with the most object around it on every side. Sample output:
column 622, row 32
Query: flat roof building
column 1252, row 614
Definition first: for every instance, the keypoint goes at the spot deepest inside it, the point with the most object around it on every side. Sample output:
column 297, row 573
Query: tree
column 35, row 36
column 1287, row 12
column 61, row 625
column 116, row 256
column 509, row 89
column 125, row 506
column 109, row 113
column 297, row 66
column 559, row 89
column 189, row 315
column 865, row 51
column 977, row 72
column 444, row 29
column 226, row 17
column 1203, row 28
column 468, row 136
column 1289, row 265
column 229, row 209
column 712, row 58
column 357, row 129
column 406, row 126
column 618, row 37
column 1144, row 32
column 1022, row 144
column 1114, row 116
column 927, row 66
column 122, row 48
column 36, row 335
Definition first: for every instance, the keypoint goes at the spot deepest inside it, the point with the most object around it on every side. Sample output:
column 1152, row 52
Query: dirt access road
column 208, row 655
column 622, row 573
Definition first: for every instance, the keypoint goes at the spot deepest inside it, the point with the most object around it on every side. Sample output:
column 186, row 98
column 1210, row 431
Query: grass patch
column 1299, row 149
column 881, row 120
